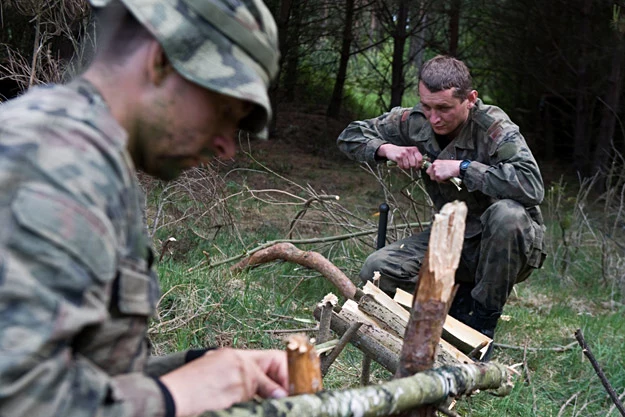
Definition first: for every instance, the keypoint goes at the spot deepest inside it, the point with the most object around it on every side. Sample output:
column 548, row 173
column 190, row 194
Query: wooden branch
column 537, row 349
column 326, row 305
column 365, row 373
column 434, row 290
column 433, row 295
column 384, row 399
column 328, row 360
column 606, row 384
column 309, row 259
column 337, row 238
column 303, row 363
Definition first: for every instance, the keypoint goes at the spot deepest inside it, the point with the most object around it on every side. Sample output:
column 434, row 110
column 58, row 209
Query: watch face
column 464, row 164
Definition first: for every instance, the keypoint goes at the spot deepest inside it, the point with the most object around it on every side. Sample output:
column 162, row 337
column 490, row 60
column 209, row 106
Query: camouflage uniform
column 502, row 189
column 76, row 284
column 76, row 281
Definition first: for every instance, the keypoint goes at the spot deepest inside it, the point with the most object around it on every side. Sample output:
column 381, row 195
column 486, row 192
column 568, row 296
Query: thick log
column 384, row 399
column 309, row 259
column 447, row 353
column 433, row 295
column 303, row 364
column 382, row 346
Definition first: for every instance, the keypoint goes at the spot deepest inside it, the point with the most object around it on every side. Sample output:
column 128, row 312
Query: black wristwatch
column 463, row 167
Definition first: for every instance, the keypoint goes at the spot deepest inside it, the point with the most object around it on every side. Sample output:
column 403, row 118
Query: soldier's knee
column 371, row 264
column 505, row 217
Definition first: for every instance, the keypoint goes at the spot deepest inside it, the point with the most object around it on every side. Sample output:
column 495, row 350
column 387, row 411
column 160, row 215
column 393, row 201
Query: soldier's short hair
column 444, row 72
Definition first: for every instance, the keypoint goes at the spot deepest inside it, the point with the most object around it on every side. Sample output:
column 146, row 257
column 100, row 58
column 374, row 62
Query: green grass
column 258, row 307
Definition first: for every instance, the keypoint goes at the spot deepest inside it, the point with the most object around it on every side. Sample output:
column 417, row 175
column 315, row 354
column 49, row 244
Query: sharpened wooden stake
column 304, row 366
column 433, row 295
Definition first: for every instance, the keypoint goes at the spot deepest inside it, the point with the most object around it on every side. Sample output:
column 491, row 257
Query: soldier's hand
column 226, row 376
column 405, row 156
column 442, row 169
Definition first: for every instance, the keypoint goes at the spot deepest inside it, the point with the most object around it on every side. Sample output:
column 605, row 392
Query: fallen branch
column 328, row 360
column 539, row 349
column 309, row 259
column 281, row 331
column 606, row 384
column 265, row 245
column 398, row 395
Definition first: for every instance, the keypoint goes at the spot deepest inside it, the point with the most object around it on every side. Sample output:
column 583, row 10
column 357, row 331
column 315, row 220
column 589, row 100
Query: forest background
column 556, row 67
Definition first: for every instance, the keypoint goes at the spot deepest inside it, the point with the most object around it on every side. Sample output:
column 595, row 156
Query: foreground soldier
column 171, row 83
column 502, row 188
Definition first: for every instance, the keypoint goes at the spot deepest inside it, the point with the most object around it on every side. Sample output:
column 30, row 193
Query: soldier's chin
column 440, row 130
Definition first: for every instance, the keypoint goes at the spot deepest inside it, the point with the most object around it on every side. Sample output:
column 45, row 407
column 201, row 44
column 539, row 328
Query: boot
column 484, row 321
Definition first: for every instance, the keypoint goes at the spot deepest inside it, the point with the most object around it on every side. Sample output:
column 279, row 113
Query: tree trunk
column 284, row 15
column 399, row 43
column 292, row 58
column 454, row 27
column 581, row 135
column 417, row 38
column 603, row 153
column 388, row 398
column 337, row 93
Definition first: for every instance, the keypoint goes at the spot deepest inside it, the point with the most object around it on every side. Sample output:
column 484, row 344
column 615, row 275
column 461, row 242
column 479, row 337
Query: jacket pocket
column 537, row 254
column 136, row 292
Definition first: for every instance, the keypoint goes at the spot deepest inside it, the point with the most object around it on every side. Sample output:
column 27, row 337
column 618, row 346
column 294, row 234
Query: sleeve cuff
column 170, row 406
column 193, row 354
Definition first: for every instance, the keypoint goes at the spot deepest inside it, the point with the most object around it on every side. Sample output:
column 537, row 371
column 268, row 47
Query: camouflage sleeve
column 55, row 282
column 361, row 139
column 160, row 365
column 512, row 172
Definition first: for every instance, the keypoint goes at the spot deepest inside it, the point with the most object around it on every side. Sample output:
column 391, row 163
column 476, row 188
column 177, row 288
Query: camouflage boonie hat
column 230, row 47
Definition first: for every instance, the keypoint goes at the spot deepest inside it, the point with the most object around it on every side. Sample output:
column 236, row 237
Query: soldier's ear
column 471, row 99
column 158, row 66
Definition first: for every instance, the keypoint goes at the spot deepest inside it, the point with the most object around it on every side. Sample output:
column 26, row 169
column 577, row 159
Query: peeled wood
column 464, row 337
column 309, row 259
column 382, row 298
column 384, row 399
column 370, row 303
column 304, row 366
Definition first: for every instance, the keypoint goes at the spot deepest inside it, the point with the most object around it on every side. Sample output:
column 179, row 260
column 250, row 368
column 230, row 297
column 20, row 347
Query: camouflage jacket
column 502, row 166
column 76, row 284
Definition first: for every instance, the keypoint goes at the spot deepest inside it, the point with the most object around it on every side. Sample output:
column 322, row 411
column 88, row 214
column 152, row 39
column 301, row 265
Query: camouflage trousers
column 508, row 249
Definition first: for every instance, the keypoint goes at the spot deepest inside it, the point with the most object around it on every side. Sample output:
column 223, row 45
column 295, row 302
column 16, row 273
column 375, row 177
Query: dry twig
column 604, row 380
